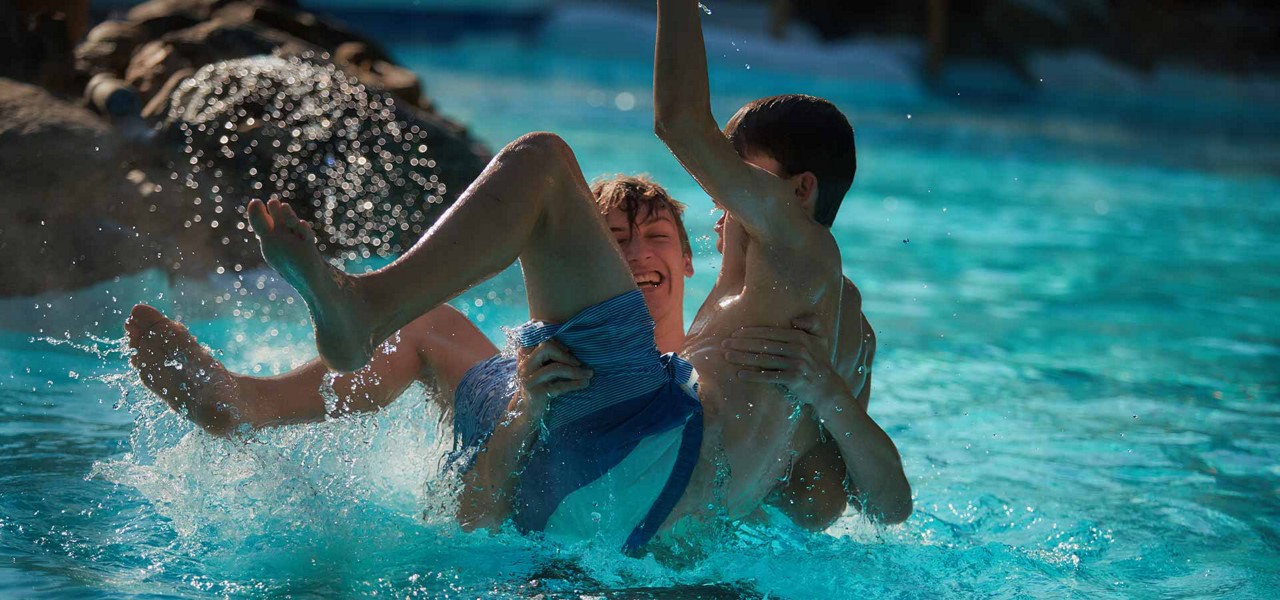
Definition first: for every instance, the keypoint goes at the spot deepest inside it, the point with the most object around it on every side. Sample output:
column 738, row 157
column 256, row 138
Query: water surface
column 1077, row 310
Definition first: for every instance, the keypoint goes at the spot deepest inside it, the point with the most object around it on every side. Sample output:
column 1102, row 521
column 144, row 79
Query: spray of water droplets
column 301, row 130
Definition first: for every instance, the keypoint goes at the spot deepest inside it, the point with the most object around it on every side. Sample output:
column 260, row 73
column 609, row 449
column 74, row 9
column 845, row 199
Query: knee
column 542, row 146
column 543, row 141
column 441, row 322
column 444, row 328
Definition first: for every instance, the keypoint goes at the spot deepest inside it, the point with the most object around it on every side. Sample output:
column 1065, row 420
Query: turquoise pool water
column 1077, row 302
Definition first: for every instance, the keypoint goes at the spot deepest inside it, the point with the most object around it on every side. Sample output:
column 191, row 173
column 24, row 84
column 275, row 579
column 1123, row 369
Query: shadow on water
column 563, row 579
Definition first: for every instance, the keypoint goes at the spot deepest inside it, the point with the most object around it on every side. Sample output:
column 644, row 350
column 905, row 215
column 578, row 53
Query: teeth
column 651, row 279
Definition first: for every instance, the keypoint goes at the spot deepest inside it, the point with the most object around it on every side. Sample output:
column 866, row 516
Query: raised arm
column 683, row 121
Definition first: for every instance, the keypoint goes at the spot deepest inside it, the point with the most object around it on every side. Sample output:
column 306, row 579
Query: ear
column 806, row 189
column 688, row 265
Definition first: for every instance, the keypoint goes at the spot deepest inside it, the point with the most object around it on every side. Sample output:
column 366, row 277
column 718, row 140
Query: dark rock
column 68, row 253
column 89, row 200
column 36, row 47
column 108, row 48
column 196, row 10
column 158, row 17
column 299, row 24
column 209, row 42
column 65, row 195
column 1241, row 36
column 360, row 60
column 57, row 156
column 369, row 172
column 159, row 104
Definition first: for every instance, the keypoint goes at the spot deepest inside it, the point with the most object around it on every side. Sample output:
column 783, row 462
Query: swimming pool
column 1078, row 315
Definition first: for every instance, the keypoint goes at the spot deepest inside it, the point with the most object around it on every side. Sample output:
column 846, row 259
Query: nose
column 638, row 248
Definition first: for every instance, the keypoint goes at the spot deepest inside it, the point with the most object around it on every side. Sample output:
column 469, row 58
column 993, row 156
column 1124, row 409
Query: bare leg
column 530, row 203
column 441, row 344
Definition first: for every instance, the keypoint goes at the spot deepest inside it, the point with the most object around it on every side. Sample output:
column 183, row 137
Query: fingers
column 560, row 388
column 759, row 346
column 762, row 361
column 806, row 323
column 763, row 376
column 777, row 334
column 560, row 372
column 549, row 352
column 556, row 379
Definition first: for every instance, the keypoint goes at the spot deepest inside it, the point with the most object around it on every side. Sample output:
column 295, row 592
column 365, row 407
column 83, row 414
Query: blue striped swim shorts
column 613, row 459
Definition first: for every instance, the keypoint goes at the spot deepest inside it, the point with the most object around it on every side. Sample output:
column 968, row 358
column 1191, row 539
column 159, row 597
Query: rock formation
column 1239, row 36
column 192, row 107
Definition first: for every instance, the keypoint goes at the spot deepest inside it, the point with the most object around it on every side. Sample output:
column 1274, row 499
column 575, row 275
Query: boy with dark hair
column 780, row 169
column 802, row 133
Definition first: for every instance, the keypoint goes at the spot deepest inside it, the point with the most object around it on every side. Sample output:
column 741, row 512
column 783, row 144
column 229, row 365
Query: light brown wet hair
column 637, row 197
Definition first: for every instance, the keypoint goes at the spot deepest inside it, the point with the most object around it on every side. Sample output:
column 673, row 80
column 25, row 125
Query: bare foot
column 174, row 366
column 289, row 246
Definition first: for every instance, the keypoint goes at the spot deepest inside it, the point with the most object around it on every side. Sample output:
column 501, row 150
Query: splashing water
column 704, row 8
column 302, row 131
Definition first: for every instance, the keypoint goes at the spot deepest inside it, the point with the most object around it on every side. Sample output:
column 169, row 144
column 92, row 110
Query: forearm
column 870, row 457
column 680, row 89
column 488, row 487
column 294, row 397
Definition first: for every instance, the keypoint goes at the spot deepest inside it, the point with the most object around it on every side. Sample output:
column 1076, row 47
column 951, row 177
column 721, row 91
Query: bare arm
column 544, row 372
column 488, row 488
column 299, row 395
column 870, row 457
column 813, row 496
column 792, row 357
column 683, row 120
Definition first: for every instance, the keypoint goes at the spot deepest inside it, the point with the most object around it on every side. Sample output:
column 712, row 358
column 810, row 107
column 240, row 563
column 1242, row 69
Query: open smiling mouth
column 650, row 279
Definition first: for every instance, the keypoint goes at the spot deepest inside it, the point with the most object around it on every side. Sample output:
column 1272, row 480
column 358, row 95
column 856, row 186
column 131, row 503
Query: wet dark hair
column 637, row 196
column 802, row 133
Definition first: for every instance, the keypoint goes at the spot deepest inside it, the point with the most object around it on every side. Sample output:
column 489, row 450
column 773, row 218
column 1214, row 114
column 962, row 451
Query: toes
column 141, row 319
column 281, row 211
column 277, row 214
column 259, row 218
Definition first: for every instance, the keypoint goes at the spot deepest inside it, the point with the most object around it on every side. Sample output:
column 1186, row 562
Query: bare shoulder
column 800, row 248
column 850, row 298
column 857, row 340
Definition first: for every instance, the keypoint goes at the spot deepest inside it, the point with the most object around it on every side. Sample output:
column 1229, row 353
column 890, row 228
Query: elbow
column 898, row 508
column 889, row 507
column 898, row 513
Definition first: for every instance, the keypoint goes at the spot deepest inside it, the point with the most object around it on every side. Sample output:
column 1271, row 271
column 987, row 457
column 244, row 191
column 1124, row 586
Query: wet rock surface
column 351, row 159
column 61, row 165
column 191, row 108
